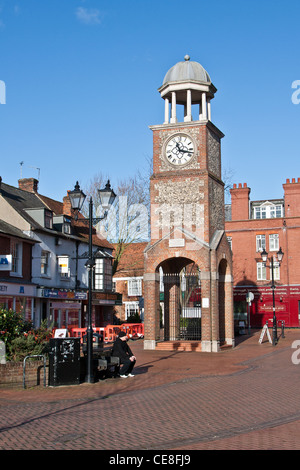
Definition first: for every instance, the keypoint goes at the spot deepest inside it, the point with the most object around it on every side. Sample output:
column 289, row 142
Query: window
column 45, row 256
column 276, row 269
column 16, row 252
column 229, row 239
column 260, row 213
column 131, row 308
column 48, row 219
column 67, row 225
column 134, row 286
column 274, row 242
column 103, row 274
column 276, row 211
column 63, row 267
column 268, row 211
column 67, row 228
column 261, row 271
column 260, row 242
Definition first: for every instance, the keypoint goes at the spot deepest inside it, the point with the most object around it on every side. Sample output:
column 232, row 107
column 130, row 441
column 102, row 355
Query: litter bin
column 64, row 361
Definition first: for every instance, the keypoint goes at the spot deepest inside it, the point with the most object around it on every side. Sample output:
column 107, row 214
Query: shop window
column 6, row 303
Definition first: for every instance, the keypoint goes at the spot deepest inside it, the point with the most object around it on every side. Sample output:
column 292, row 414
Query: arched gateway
column 188, row 264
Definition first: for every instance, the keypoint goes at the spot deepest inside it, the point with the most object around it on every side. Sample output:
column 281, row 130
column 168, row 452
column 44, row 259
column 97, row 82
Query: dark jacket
column 121, row 349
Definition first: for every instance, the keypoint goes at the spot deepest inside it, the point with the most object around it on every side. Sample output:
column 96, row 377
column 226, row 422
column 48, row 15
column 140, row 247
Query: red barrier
column 110, row 333
column 81, row 332
column 133, row 330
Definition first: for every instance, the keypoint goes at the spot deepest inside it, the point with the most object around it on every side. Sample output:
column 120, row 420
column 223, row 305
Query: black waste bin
column 64, row 361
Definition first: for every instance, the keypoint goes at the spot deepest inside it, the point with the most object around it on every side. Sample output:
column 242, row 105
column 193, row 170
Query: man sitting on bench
column 123, row 351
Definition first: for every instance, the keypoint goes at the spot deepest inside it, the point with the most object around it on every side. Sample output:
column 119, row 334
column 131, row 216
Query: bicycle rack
column 24, row 367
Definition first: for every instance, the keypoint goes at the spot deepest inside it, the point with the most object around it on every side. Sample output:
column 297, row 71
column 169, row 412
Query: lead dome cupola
column 187, row 83
column 187, row 70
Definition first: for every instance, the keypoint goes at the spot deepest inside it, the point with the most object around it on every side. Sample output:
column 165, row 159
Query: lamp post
column 264, row 256
column 77, row 198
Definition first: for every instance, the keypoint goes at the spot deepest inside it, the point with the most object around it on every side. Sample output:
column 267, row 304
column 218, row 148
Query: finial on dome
column 187, row 57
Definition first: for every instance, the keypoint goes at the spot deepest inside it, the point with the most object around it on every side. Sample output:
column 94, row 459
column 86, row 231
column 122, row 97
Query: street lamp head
column 264, row 255
column 77, row 197
column 280, row 254
column 107, row 196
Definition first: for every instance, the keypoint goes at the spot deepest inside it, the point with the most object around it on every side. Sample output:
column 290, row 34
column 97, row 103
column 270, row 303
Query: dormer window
column 67, row 225
column 268, row 210
column 48, row 219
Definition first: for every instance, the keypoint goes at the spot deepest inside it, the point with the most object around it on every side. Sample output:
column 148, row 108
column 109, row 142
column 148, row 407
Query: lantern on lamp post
column 264, row 256
column 77, row 198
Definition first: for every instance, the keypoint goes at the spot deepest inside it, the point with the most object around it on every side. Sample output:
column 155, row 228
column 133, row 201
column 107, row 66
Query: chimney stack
column 29, row 184
column 240, row 202
column 67, row 208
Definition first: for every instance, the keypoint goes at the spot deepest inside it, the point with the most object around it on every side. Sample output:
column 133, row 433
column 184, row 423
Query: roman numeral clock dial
column 179, row 150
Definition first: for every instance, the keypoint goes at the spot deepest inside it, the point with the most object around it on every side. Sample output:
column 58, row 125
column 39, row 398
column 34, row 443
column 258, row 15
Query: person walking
column 123, row 351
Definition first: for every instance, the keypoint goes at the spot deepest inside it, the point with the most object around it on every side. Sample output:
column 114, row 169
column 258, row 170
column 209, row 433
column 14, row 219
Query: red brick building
column 128, row 281
column 252, row 226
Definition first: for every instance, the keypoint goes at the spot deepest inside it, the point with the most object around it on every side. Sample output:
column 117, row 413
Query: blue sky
column 82, row 76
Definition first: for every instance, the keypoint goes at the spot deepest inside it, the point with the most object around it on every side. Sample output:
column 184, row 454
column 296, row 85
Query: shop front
column 259, row 309
column 62, row 307
column 103, row 312
column 19, row 298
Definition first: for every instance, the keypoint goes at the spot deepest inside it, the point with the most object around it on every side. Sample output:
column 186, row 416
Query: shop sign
column 104, row 302
column 5, row 262
column 62, row 294
column 66, row 305
column 102, row 298
column 18, row 289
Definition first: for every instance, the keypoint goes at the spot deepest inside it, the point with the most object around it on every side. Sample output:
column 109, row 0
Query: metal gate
column 182, row 307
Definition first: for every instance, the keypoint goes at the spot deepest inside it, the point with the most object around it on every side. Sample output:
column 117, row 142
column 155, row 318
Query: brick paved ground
column 242, row 398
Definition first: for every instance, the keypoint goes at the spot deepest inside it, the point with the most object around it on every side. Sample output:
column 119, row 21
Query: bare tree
column 227, row 175
column 127, row 220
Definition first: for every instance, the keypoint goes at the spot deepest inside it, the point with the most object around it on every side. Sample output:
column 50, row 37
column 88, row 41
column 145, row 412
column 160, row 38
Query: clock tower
column 188, row 265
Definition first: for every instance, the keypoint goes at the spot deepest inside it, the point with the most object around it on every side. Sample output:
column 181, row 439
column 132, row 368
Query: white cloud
column 88, row 15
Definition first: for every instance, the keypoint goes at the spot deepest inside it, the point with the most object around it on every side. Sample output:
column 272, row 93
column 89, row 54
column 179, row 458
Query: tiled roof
column 8, row 229
column 21, row 200
column 132, row 260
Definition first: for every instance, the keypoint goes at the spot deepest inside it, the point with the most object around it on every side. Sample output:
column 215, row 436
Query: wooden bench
column 103, row 359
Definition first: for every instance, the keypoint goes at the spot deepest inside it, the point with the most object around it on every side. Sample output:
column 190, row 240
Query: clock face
column 179, row 149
